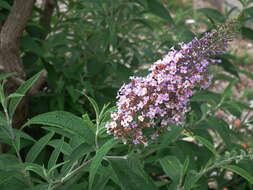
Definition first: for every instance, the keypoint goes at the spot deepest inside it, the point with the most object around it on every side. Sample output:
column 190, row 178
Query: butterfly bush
column 147, row 105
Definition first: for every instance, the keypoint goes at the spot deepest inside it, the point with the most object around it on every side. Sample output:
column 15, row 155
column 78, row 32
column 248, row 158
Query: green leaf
column 123, row 73
column 205, row 96
column 31, row 45
column 15, row 95
column 6, row 75
column 101, row 182
column 159, row 10
column 75, row 155
column 212, row 14
column 36, row 30
column 94, row 65
column 6, row 176
column 15, row 184
column 7, row 161
column 26, row 140
column 247, row 33
column 5, row 136
column 65, row 121
column 94, row 105
column 249, row 11
column 37, row 147
column 223, row 77
column 56, row 166
column 233, row 108
column 75, row 142
column 227, row 65
column 240, row 105
column 96, row 161
column 248, row 74
column 171, row 136
column 79, row 186
column 191, row 179
column 185, row 166
column 22, row 90
column 228, row 90
column 5, row 5
column 3, row 121
column 183, row 33
column 66, row 148
column 79, row 152
column 38, row 169
column 24, row 135
column 16, row 142
column 62, row 131
column 222, row 128
column 243, row 173
column 130, row 175
column 2, row 95
column 172, row 167
column 207, row 144
column 38, row 187
column 55, row 154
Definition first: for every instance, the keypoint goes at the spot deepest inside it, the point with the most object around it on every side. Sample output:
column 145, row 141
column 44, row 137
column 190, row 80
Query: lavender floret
column 147, row 105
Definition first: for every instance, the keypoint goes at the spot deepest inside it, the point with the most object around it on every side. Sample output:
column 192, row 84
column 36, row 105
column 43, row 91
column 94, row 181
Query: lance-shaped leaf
column 22, row 90
column 172, row 167
column 66, row 122
column 38, row 147
column 130, row 175
column 243, row 173
column 159, row 10
column 96, row 161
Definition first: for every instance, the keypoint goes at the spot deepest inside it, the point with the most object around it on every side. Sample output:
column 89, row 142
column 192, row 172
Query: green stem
column 117, row 157
column 68, row 175
column 96, row 135
column 9, row 122
column 208, row 113
column 219, row 164
column 10, row 128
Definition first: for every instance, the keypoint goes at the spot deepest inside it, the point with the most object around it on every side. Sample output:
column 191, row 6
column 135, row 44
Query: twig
column 69, row 175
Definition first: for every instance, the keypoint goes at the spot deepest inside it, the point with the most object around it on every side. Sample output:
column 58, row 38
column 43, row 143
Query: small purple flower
column 162, row 97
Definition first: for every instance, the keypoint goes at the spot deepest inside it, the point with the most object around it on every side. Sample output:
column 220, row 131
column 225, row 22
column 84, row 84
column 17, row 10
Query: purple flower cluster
column 149, row 104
